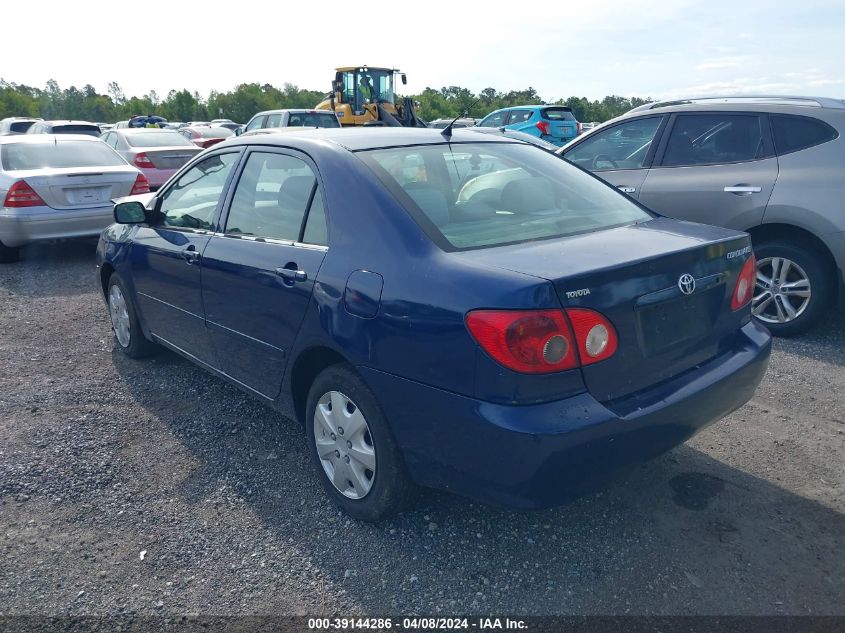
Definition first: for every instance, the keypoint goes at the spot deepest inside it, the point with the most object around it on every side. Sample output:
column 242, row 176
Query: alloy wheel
column 119, row 316
column 782, row 290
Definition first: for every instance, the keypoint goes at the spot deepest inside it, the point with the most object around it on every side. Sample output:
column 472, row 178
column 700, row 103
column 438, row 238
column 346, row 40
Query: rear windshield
column 21, row 156
column 214, row 132
column 309, row 119
column 93, row 130
column 475, row 195
column 558, row 114
column 20, row 126
column 157, row 139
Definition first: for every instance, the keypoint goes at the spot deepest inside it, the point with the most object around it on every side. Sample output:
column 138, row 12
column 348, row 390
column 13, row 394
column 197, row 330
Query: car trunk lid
column 81, row 188
column 631, row 275
column 168, row 157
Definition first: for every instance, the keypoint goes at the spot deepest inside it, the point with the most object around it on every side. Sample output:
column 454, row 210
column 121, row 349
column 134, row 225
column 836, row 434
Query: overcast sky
column 658, row 49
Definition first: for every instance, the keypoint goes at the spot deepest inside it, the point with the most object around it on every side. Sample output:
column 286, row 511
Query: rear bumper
column 34, row 224
column 540, row 455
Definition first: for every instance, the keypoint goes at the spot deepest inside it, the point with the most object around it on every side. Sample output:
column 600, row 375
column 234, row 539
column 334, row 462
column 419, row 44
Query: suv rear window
column 22, row 156
column 20, row 126
column 310, row 119
column 792, row 133
column 558, row 114
column 93, row 130
column 474, row 195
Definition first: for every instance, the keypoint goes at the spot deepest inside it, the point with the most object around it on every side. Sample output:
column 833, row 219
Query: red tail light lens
column 142, row 185
column 596, row 336
column 544, row 127
column 22, row 195
column 527, row 341
column 744, row 289
column 143, row 161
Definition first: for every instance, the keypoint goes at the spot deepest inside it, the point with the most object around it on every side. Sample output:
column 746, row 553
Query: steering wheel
column 603, row 158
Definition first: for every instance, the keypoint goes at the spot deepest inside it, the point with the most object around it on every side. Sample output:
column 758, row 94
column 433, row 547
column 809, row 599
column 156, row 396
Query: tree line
column 53, row 102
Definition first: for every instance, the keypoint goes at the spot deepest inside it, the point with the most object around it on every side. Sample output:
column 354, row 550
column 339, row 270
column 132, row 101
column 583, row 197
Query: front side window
column 713, row 139
column 256, row 123
column 497, row 119
column 624, row 146
column 273, row 197
column 193, row 199
column 472, row 195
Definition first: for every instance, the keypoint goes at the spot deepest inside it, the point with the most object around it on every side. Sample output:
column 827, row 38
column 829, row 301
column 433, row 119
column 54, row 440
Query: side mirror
column 404, row 79
column 239, row 131
column 132, row 212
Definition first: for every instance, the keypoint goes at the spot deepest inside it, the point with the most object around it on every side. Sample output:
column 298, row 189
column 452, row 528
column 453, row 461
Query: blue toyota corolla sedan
column 469, row 313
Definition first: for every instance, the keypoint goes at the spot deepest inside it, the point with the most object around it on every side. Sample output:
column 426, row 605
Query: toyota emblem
column 686, row 283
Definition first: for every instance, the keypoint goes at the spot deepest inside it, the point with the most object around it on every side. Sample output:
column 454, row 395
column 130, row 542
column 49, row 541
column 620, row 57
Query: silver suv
column 772, row 166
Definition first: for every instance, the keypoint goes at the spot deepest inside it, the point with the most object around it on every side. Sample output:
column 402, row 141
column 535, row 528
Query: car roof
column 69, row 122
column 48, row 138
column 142, row 130
column 370, row 137
column 294, row 111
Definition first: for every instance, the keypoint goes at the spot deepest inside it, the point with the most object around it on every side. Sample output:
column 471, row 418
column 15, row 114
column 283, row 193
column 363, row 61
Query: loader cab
column 357, row 91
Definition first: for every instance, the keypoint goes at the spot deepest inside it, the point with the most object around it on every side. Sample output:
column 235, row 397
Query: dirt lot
column 153, row 488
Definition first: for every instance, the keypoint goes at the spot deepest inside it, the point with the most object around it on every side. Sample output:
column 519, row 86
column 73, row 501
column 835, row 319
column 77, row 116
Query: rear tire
column 362, row 469
column 128, row 337
column 790, row 303
column 9, row 254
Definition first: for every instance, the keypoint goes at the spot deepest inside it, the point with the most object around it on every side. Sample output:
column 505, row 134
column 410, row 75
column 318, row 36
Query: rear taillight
column 22, row 195
column 543, row 126
column 542, row 341
column 744, row 289
column 143, row 161
column 527, row 341
column 580, row 127
column 596, row 336
column 142, row 185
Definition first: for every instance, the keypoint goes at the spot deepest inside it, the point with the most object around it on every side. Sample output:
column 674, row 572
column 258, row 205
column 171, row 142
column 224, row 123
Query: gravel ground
column 153, row 488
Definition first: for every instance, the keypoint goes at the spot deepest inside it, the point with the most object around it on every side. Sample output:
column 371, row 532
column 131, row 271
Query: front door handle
column 626, row 189
column 292, row 274
column 190, row 254
column 743, row 189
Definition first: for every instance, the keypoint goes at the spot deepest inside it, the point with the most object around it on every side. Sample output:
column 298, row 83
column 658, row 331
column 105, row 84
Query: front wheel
column 128, row 337
column 793, row 288
column 353, row 450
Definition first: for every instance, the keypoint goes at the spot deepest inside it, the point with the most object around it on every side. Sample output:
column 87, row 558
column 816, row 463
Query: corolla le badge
column 686, row 283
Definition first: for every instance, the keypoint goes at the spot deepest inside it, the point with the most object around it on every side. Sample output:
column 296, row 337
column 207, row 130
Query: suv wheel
column 353, row 450
column 793, row 288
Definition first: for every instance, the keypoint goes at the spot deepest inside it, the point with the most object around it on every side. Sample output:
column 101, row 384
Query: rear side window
column 311, row 119
column 792, row 133
column 519, row 116
column 274, row 120
column 23, row 156
column 274, row 193
column 474, row 195
column 19, row 127
column 558, row 114
column 712, row 139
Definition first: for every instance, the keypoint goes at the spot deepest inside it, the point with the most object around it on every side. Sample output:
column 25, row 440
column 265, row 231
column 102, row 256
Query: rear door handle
column 626, row 189
column 743, row 189
column 291, row 274
column 190, row 254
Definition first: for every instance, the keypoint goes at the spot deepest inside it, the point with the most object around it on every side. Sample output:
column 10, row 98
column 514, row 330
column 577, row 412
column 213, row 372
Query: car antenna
column 447, row 131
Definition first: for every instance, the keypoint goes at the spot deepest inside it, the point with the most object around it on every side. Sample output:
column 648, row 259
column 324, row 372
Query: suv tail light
column 744, row 289
column 143, row 161
column 142, row 185
column 20, row 194
column 527, row 341
column 544, row 127
column 542, row 341
column 596, row 336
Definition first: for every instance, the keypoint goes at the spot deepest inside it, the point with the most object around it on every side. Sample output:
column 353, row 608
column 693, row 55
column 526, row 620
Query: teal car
column 552, row 123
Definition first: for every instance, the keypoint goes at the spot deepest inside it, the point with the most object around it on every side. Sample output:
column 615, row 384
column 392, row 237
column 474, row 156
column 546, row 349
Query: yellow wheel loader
column 363, row 95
